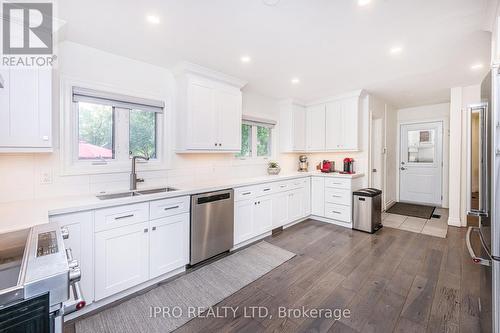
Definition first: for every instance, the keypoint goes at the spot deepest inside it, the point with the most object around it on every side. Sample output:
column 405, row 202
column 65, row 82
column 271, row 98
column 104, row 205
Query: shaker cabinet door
column 168, row 244
column 122, row 259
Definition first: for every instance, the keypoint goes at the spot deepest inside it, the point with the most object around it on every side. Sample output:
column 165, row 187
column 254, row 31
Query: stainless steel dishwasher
column 212, row 224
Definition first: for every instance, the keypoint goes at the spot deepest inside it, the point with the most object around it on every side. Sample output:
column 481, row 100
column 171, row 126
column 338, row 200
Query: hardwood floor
column 394, row 281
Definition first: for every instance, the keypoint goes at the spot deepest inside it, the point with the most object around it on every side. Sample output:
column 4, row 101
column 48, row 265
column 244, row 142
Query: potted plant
column 273, row 168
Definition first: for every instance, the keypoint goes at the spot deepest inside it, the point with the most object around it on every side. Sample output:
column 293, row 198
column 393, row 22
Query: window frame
column 69, row 135
column 254, row 153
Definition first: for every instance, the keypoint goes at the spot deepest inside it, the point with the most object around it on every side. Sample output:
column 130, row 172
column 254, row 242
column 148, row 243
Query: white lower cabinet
column 128, row 254
column 295, row 204
column 122, row 259
column 80, row 241
column 168, row 244
column 318, row 196
column 332, row 198
column 289, row 202
column 280, row 209
column 243, row 220
column 263, row 215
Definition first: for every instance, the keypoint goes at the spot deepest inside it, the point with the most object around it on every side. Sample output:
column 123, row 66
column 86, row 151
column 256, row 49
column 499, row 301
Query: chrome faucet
column 133, row 176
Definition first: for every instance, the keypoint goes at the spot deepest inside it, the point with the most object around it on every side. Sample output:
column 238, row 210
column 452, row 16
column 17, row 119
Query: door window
column 421, row 146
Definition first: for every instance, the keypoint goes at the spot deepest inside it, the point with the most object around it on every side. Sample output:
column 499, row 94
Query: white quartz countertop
column 17, row 215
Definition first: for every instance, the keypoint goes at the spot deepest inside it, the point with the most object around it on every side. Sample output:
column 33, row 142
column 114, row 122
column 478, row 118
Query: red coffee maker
column 327, row 166
column 348, row 165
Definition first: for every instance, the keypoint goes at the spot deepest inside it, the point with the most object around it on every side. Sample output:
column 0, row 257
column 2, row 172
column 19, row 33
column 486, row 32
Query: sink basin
column 134, row 193
column 157, row 190
column 117, row 195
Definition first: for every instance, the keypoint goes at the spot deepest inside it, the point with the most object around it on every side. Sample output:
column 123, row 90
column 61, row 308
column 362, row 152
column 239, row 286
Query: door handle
column 478, row 213
column 475, row 259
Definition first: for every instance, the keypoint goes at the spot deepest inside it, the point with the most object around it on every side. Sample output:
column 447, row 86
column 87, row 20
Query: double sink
column 134, row 193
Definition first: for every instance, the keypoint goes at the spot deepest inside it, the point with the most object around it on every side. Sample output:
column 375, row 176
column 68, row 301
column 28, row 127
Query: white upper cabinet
column 209, row 110
column 332, row 124
column 315, row 128
column 228, row 103
column 292, row 127
column 26, row 110
column 342, row 124
column 299, row 128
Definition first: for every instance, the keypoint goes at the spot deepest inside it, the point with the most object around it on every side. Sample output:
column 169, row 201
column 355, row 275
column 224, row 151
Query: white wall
column 20, row 174
column 392, row 167
column 461, row 97
column 426, row 113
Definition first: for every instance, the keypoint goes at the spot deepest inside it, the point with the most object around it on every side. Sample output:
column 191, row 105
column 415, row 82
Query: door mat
column 407, row 209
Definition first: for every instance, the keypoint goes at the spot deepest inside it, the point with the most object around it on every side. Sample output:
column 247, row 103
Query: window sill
column 252, row 160
column 78, row 169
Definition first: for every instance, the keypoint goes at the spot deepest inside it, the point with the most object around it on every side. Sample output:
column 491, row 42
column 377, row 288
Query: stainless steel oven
column 37, row 272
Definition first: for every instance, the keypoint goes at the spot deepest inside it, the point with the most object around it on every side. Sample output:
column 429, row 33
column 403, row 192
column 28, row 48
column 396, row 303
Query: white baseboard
column 454, row 221
column 264, row 235
column 327, row 220
column 389, row 204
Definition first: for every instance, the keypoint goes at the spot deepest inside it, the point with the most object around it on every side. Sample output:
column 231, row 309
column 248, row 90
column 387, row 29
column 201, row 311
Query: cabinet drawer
column 168, row 207
column 266, row 189
column 245, row 193
column 114, row 217
column 338, row 212
column 283, row 186
column 298, row 183
column 338, row 196
column 338, row 183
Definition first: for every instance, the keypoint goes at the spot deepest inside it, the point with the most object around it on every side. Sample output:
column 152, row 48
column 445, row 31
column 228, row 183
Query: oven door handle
column 78, row 302
column 475, row 259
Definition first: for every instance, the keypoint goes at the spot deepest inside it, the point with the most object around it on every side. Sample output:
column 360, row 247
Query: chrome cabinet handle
column 266, row 189
column 145, row 230
column 154, row 228
column 334, row 211
column 169, row 208
column 246, row 193
column 475, row 259
column 402, row 168
column 124, row 217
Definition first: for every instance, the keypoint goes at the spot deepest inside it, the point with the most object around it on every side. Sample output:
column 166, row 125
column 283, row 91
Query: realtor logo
column 27, row 28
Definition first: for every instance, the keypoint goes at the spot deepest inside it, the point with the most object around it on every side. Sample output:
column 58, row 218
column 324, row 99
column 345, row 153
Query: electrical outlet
column 46, row 177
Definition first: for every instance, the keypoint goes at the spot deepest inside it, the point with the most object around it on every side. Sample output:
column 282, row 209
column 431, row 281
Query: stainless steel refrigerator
column 483, row 190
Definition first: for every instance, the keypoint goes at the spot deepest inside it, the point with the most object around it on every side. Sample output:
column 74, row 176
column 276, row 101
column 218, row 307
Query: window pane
column 421, row 146
column 95, row 131
column 246, row 141
column 142, row 133
column 263, row 141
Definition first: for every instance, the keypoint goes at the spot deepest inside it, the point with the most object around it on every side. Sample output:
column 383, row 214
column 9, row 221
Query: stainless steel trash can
column 367, row 215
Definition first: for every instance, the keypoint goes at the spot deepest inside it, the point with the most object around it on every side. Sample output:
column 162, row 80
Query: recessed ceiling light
column 295, row 80
column 477, row 66
column 246, row 59
column 271, row 2
column 396, row 50
column 363, row 3
column 153, row 19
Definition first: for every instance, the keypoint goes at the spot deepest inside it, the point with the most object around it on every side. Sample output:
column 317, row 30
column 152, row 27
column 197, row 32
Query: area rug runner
column 201, row 288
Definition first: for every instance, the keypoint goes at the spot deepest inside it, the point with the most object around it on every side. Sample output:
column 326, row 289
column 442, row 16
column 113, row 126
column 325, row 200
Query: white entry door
column 421, row 163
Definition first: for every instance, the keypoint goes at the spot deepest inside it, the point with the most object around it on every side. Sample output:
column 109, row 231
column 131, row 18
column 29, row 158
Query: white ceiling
column 333, row 46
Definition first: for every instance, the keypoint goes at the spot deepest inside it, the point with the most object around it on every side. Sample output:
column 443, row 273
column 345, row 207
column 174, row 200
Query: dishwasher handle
column 209, row 198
